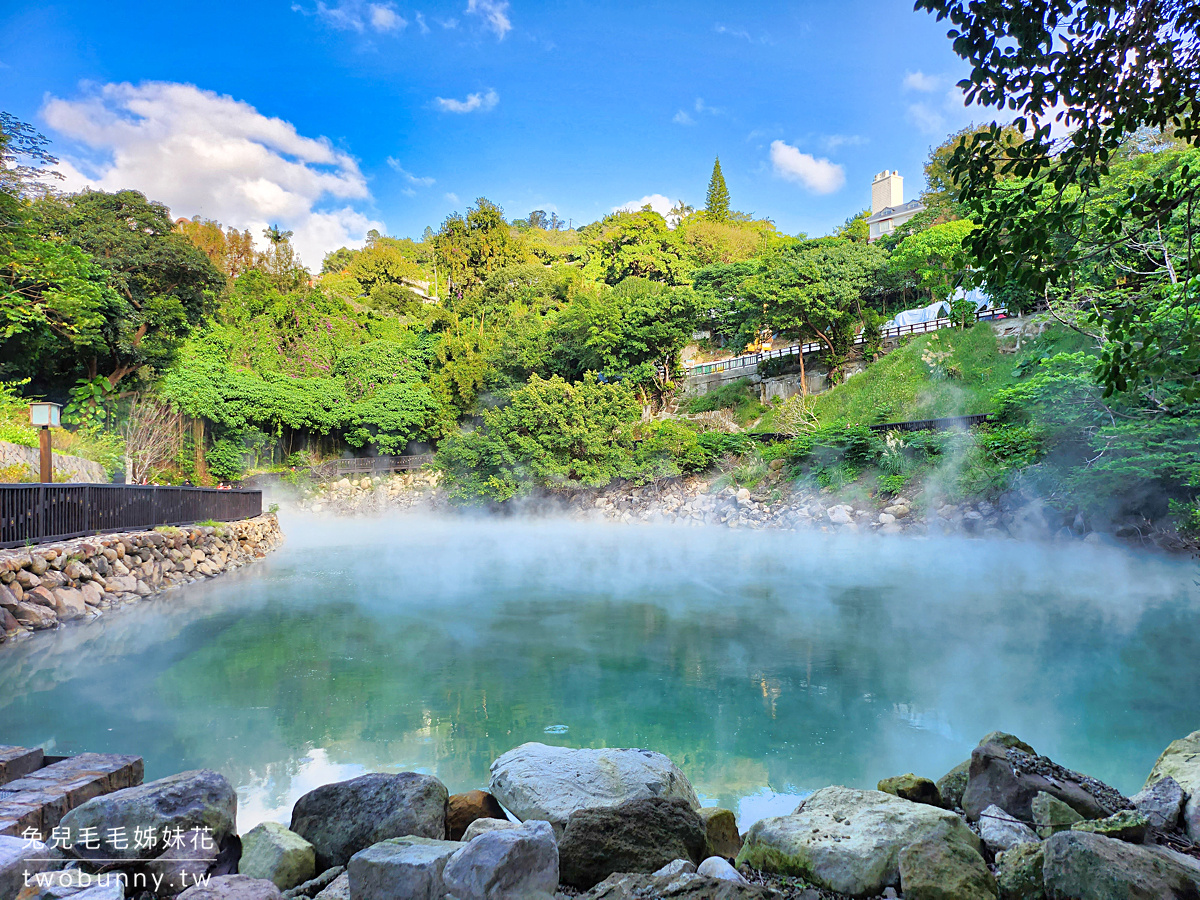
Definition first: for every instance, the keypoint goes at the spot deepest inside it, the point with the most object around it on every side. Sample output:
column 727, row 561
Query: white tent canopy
column 938, row 310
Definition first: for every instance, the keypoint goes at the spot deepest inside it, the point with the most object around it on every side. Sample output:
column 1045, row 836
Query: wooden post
column 47, row 455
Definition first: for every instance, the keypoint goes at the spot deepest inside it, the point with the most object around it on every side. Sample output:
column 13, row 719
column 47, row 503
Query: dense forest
column 534, row 356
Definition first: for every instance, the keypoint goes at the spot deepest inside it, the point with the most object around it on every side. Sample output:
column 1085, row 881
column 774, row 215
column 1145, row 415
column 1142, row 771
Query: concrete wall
column 79, row 470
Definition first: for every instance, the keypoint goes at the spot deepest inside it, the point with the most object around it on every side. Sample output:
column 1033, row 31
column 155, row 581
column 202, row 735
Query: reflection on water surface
column 765, row 664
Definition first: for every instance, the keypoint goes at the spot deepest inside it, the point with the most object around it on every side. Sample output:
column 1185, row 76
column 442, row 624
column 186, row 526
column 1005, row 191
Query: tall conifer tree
column 716, row 202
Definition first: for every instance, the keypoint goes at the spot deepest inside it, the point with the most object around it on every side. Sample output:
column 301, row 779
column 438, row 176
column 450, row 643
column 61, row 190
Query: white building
column 888, row 209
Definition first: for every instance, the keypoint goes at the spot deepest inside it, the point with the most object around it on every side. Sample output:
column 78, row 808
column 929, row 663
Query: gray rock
column 278, row 854
column 187, row 801
column 1126, row 825
column 716, row 867
column 338, row 889
column 1181, row 760
column 183, row 865
column 676, row 867
column 535, row 781
column 1051, row 815
column 1082, row 866
column 1000, row 831
column 940, row 869
column 1161, row 803
column 849, row 841
column 951, row 785
column 1008, row 778
column 18, row 856
column 639, row 836
column 233, row 887
column 315, row 886
column 720, row 825
column 409, row 867
column 341, row 819
column 505, row 864
column 74, row 884
column 624, row 886
column 483, row 826
column 1019, row 872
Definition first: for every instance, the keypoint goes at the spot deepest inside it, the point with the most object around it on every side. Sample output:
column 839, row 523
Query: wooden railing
column 35, row 513
column 751, row 360
column 368, row 464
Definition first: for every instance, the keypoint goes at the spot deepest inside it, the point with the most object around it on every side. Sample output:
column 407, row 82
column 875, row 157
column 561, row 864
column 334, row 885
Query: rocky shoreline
column 626, row 824
column 773, row 503
column 44, row 586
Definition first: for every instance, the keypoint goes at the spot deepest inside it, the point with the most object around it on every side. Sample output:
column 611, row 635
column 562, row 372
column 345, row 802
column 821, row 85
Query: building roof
column 888, row 212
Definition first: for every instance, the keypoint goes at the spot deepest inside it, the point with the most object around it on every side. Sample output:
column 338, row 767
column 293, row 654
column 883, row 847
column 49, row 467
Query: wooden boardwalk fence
column 366, row 465
column 36, row 513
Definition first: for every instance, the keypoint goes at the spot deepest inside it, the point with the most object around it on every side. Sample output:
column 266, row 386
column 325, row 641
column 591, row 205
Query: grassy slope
column 901, row 386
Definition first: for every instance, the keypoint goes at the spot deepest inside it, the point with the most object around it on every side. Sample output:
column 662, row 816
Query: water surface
column 765, row 664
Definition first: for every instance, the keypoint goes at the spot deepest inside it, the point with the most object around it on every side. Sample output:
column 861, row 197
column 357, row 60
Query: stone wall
column 78, row 469
column 47, row 585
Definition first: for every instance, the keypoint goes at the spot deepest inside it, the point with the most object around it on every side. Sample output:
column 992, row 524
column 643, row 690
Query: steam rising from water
column 767, row 664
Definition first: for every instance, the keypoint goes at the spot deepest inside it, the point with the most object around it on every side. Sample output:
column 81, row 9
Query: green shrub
column 738, row 396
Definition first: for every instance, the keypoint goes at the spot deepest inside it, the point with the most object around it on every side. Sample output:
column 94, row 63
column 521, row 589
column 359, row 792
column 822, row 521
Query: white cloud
column 494, row 14
column 657, row 202
column 733, row 32
column 451, row 196
column 818, row 175
column 682, row 118
column 385, row 18
column 207, row 154
column 832, row 142
column 357, row 15
column 482, row 102
column 414, row 180
column 919, row 81
column 421, row 23
column 926, row 118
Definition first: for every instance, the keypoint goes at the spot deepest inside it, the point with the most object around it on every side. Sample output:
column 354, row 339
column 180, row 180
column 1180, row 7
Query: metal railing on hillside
column 751, row 360
column 36, row 513
column 366, row 464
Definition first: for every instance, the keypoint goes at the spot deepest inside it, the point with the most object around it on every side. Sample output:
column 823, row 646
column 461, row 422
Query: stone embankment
column 49, row 584
column 373, row 495
column 625, row 824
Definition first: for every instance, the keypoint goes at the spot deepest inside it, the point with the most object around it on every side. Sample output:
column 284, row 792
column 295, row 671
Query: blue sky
column 333, row 117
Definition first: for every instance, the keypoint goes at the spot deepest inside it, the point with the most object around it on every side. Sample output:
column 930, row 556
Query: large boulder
column 849, row 841
column 638, row 836
column 1181, row 761
column 466, row 808
column 189, row 801
column 1161, row 803
column 535, row 781
column 1010, row 778
column 938, row 869
column 952, row 785
column 683, row 886
column 1082, row 866
column 278, row 854
column 74, row 884
column 341, row 819
column 18, row 856
column 233, row 887
column 409, row 867
column 338, row 889
column 1051, row 815
column 505, row 864
column 1001, row 832
column 1126, row 825
column 69, row 604
column 34, row 615
column 483, row 826
column 720, row 826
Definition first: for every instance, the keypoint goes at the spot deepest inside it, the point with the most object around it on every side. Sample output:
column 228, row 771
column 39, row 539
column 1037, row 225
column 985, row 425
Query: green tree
column 716, row 200
column 166, row 283
column 550, row 434
column 636, row 245
column 936, row 258
column 1104, row 71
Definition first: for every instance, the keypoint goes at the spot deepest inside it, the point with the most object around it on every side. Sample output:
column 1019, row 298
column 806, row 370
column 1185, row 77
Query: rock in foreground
column 639, row 836
column 343, row 818
column 1181, row 760
column 505, row 864
column 849, row 841
column 535, row 781
column 1082, row 866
